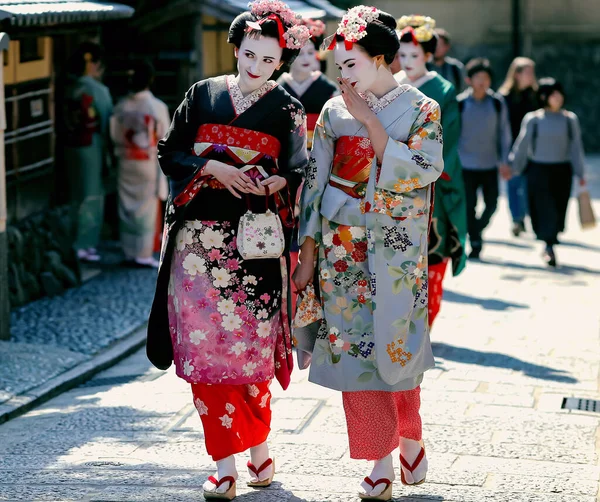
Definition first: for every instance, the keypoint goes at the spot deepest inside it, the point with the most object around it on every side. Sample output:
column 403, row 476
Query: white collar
column 402, row 78
column 300, row 88
column 240, row 102
column 377, row 104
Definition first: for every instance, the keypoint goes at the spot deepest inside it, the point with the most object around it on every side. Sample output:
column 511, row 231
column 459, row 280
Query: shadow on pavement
column 497, row 360
column 486, row 303
column 578, row 245
column 562, row 269
column 510, row 244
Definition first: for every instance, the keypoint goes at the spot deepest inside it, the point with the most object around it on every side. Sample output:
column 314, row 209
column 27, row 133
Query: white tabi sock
column 410, row 449
column 258, row 456
column 383, row 469
column 225, row 467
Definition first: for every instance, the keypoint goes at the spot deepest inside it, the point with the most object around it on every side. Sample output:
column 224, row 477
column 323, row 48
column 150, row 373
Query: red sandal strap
column 415, row 464
column 372, row 484
column 219, row 482
column 256, row 471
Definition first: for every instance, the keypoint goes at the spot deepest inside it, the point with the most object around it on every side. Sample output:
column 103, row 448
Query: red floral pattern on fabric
column 352, row 162
column 354, row 145
column 223, row 138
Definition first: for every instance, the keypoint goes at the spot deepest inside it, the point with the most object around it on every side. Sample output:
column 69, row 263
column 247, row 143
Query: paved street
column 512, row 341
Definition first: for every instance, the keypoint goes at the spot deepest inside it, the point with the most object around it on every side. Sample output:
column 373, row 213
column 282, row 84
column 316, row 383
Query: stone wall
column 41, row 257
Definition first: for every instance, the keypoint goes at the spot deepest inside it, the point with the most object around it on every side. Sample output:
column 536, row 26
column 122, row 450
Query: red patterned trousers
column 377, row 420
column 436, row 290
column 234, row 417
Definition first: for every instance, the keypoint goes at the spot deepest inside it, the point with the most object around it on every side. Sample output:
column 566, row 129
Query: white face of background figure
column 258, row 58
column 413, row 60
column 357, row 66
column 306, row 62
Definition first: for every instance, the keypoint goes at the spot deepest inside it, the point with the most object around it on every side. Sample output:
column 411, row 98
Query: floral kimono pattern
column 219, row 318
column 372, row 255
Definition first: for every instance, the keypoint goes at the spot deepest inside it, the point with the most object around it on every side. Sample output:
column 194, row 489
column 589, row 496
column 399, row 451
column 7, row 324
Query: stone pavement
column 512, row 341
column 58, row 340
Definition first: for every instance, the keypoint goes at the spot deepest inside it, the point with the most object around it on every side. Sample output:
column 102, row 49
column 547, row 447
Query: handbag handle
column 266, row 199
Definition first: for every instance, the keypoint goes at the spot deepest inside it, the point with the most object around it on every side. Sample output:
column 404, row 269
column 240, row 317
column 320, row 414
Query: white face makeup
column 258, row 58
column 357, row 66
column 305, row 63
column 413, row 60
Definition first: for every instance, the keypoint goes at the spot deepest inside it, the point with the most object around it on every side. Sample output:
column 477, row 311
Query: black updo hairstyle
column 142, row 75
column 546, row 87
column 239, row 29
column 87, row 51
column 429, row 46
column 381, row 38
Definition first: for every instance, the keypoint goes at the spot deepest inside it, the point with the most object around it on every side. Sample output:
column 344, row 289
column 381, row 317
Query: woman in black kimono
column 305, row 81
column 222, row 319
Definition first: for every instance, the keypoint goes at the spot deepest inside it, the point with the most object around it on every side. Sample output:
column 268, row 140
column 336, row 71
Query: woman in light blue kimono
column 365, row 214
column 87, row 107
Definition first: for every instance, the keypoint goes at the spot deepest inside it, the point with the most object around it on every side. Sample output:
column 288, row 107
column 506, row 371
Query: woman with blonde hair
column 519, row 90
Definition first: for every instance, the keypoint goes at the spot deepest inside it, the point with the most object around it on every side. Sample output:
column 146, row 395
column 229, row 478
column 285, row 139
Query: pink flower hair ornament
column 262, row 8
column 353, row 26
column 315, row 26
column 296, row 37
column 292, row 35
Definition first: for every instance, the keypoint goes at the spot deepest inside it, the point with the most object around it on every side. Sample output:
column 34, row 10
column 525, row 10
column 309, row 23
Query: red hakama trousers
column 435, row 289
column 234, row 417
column 377, row 420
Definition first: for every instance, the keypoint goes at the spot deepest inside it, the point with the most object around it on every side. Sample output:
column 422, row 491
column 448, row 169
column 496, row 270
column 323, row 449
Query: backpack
column 534, row 132
column 496, row 100
column 497, row 106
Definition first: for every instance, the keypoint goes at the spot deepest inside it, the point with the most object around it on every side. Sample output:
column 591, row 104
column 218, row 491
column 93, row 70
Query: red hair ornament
column 413, row 34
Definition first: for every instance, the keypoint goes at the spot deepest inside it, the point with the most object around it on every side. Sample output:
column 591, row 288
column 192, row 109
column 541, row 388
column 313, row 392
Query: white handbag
column 260, row 235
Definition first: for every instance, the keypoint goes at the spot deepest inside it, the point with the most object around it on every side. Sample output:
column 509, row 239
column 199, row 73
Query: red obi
column 242, row 146
column 352, row 163
column 311, row 124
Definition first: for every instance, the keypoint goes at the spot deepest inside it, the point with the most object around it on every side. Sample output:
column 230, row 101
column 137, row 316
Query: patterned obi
column 311, row 124
column 352, row 163
column 234, row 146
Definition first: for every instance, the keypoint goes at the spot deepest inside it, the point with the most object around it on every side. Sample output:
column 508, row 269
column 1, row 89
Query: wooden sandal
column 228, row 495
column 258, row 483
column 384, row 495
column 411, row 468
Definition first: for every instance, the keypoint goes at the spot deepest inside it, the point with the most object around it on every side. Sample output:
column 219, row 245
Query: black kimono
column 210, row 304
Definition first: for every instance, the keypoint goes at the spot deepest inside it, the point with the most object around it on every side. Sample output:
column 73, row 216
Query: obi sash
column 352, row 163
column 241, row 146
column 311, row 124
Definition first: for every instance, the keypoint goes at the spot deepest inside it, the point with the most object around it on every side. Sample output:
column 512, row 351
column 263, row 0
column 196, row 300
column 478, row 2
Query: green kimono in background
column 86, row 113
column 449, row 222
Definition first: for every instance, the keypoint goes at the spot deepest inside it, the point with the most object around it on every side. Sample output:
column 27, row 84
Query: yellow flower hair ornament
column 420, row 27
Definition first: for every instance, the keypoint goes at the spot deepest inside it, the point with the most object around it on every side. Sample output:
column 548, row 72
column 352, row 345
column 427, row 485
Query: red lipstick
column 251, row 75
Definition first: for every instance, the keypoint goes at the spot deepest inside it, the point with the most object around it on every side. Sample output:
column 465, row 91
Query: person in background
column 484, row 147
column 449, row 68
column 307, row 84
column 86, row 110
column 549, row 150
column 448, row 230
column 313, row 89
column 139, row 121
column 520, row 93
column 396, row 67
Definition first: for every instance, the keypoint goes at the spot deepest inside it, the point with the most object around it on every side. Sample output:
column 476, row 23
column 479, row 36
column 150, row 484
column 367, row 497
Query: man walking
column 483, row 148
column 449, row 68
